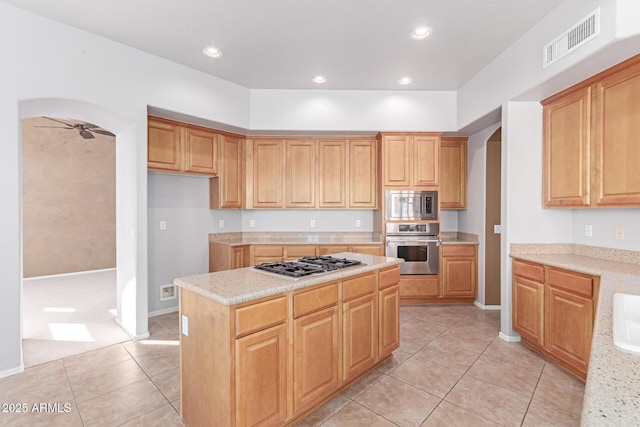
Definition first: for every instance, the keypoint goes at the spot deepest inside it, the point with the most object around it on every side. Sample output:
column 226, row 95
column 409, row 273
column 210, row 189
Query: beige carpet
column 67, row 315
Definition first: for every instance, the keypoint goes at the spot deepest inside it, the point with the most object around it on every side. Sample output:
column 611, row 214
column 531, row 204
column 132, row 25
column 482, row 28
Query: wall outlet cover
column 221, row 223
column 619, row 232
column 185, row 325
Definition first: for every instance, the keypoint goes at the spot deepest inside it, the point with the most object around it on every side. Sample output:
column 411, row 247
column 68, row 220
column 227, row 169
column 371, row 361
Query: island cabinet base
column 272, row 361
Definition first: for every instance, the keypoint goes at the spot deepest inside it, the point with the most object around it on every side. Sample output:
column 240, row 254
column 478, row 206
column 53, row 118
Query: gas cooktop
column 306, row 266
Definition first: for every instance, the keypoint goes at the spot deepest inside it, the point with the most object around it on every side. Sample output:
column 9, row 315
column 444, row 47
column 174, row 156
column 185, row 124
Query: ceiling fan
column 86, row 130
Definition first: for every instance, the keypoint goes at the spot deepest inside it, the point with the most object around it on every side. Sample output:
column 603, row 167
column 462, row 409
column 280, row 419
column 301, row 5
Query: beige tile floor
column 450, row 370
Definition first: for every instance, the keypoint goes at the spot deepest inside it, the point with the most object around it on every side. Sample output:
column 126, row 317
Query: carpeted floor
column 67, row 315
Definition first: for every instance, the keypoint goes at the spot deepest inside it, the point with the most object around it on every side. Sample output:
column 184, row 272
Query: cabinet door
column 164, row 150
column 528, row 309
column 363, row 174
column 459, row 277
column 396, row 150
column 617, row 151
column 359, row 335
column 332, row 174
column 326, row 249
column 200, row 151
column 298, row 251
column 425, row 158
column 453, row 173
column 389, row 315
column 300, row 174
column 566, row 151
column 261, row 377
column 268, row 172
column 316, row 357
column 239, row 257
column 568, row 326
column 419, row 286
column 231, row 172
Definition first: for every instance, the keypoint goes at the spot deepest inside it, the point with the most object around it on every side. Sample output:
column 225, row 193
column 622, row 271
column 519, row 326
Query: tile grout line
column 72, row 392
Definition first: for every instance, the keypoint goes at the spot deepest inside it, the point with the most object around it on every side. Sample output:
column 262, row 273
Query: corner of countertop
column 453, row 237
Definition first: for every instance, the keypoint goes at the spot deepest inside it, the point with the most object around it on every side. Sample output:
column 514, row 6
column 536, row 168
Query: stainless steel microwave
column 411, row 205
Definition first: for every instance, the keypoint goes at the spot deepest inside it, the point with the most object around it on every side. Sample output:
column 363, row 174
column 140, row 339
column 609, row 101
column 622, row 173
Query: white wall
column 604, row 222
column 333, row 110
column 300, row 220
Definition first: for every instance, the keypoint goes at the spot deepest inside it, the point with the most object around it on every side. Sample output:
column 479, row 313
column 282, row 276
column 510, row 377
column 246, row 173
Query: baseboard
column 12, row 371
column 509, row 338
column 75, row 273
column 164, row 311
column 133, row 336
column 142, row 336
column 487, row 307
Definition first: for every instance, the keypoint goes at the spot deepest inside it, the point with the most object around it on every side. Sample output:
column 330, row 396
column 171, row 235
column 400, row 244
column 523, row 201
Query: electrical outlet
column 221, row 223
column 358, row 223
column 185, row 325
column 619, row 232
column 313, row 223
column 163, row 225
column 588, row 230
column 252, row 223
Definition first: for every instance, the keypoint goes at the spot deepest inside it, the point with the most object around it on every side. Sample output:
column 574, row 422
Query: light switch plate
column 619, row 232
column 221, row 223
column 163, row 225
column 252, row 223
column 185, row 325
column 497, row 229
column 588, row 230
column 313, row 223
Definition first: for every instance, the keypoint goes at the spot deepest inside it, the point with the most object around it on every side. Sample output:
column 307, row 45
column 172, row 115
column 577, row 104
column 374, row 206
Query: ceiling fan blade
column 60, row 121
column 86, row 134
column 102, row 132
column 52, row 127
column 89, row 125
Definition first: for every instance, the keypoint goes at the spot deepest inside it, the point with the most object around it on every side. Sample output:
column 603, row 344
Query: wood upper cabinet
column 332, row 173
column 227, row 190
column 459, row 271
column 363, row 174
column 567, row 152
column 410, row 160
column 300, row 174
column 591, row 151
column 182, row 148
column 616, row 145
column 268, row 173
column 453, row 173
column 528, row 301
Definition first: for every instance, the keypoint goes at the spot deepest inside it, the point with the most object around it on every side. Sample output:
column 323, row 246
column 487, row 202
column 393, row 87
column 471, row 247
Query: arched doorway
column 130, row 292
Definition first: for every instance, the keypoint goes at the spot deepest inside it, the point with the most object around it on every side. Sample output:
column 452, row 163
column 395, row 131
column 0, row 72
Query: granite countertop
column 231, row 287
column 612, row 390
column 458, row 238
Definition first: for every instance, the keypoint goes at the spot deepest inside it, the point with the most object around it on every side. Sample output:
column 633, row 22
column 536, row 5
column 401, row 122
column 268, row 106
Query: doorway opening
column 493, row 219
column 69, row 239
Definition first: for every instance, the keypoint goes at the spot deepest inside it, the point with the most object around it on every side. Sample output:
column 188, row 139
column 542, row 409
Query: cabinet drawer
column 300, row 251
column 389, row 277
column 265, row 251
column 570, row 281
column 459, row 250
column 421, row 287
column 353, row 288
column 310, row 301
column 255, row 317
column 528, row 270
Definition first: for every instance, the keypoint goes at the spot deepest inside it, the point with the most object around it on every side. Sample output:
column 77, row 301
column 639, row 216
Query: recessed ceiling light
column 212, row 52
column 421, row 33
column 405, row 81
column 319, row 79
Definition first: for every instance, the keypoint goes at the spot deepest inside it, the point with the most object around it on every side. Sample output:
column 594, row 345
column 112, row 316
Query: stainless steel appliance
column 411, row 205
column 417, row 244
column 306, row 266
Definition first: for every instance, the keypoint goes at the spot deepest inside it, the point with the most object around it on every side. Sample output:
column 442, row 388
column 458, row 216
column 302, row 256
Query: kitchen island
column 612, row 388
column 258, row 349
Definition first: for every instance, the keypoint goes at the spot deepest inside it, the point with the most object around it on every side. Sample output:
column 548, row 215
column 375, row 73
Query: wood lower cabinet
column 528, row 301
column 459, row 271
column 225, row 257
column 419, row 286
column 368, row 249
column 270, row 361
column 590, row 141
column 266, row 253
column 261, row 377
column 299, row 251
column 453, row 173
column 553, row 310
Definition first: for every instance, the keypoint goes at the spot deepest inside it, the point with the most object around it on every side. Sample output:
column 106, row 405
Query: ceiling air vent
column 585, row 30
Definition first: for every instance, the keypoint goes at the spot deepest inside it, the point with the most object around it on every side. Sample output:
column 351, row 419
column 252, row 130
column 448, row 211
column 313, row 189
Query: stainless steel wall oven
column 417, row 244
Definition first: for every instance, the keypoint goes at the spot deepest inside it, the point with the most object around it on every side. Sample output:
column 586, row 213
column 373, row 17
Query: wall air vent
column 585, row 30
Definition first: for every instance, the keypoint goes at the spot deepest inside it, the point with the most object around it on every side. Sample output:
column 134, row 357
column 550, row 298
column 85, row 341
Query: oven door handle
column 437, row 241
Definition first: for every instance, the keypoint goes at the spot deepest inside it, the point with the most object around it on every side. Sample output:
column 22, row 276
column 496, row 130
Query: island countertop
column 612, row 389
column 231, row 287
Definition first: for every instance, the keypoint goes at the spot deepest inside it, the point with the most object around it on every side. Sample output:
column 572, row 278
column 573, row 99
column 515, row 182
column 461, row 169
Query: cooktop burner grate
column 306, row 266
